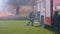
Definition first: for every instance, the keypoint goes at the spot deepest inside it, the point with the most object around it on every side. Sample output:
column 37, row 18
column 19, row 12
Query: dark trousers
column 32, row 22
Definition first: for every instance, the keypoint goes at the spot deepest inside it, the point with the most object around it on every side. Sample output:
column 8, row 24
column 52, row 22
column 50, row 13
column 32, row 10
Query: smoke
column 3, row 4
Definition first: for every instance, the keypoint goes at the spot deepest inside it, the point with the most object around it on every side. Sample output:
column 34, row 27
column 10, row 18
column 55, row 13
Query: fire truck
column 48, row 16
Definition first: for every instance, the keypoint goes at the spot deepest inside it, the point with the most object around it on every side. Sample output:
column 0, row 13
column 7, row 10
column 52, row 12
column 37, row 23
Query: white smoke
column 3, row 4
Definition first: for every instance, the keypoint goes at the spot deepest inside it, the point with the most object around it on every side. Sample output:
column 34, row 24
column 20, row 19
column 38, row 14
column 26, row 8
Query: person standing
column 38, row 15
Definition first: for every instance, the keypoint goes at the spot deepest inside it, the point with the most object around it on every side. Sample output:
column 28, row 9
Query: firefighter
column 31, row 18
column 38, row 14
column 58, row 22
column 55, row 19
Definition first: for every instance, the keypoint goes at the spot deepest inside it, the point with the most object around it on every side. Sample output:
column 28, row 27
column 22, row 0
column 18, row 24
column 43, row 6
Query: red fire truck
column 47, row 13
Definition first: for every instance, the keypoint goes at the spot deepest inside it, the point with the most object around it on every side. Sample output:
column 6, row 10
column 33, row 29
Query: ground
column 19, row 27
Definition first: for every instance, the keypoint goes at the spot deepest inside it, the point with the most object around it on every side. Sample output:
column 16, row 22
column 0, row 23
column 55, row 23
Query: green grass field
column 19, row 27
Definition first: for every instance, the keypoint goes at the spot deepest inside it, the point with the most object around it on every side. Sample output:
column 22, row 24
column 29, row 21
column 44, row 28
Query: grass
column 19, row 27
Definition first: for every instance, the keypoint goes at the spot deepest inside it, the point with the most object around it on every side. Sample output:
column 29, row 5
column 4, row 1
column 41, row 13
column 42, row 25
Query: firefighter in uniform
column 31, row 18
